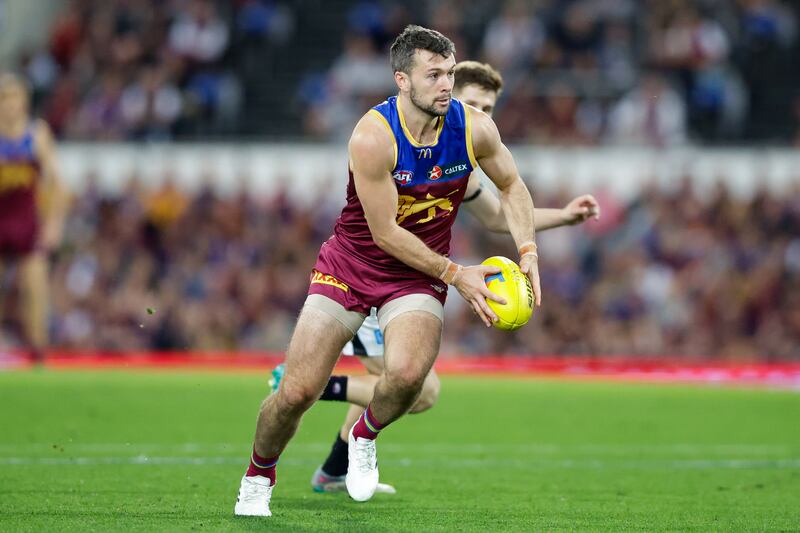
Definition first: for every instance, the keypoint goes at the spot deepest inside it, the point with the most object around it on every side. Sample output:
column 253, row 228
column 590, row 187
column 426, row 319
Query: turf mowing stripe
column 590, row 464
column 238, row 448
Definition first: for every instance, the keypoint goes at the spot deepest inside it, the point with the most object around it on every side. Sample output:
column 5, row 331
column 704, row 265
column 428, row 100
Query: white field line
column 534, row 464
column 450, row 448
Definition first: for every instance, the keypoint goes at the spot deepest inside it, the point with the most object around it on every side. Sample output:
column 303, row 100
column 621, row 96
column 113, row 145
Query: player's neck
column 421, row 125
column 12, row 129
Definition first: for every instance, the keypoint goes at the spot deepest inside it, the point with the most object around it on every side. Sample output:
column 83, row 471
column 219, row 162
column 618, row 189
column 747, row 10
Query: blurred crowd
column 669, row 272
column 145, row 70
column 660, row 72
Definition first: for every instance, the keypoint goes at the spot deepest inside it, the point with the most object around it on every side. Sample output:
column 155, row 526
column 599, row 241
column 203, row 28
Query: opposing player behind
column 29, row 184
column 479, row 85
column 410, row 162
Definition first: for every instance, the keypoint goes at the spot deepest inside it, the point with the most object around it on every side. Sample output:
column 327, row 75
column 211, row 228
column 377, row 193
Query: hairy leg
column 429, row 395
column 408, row 360
column 353, row 412
column 34, row 299
column 315, row 346
column 360, row 390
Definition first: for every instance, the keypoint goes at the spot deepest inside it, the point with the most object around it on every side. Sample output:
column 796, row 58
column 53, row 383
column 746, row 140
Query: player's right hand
column 529, row 265
column 471, row 284
column 581, row 209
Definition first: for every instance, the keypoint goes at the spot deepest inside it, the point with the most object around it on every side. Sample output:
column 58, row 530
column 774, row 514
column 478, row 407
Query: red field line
column 661, row 369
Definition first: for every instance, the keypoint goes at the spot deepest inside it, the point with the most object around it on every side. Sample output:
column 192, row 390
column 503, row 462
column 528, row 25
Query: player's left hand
column 529, row 265
column 581, row 209
column 471, row 284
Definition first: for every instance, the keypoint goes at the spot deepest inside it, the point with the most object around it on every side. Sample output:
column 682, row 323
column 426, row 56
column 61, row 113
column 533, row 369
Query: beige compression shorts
column 352, row 320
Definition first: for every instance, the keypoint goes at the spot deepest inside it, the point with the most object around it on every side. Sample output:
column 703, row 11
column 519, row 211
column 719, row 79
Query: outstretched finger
column 488, row 270
column 591, row 202
column 492, row 295
column 525, row 263
column 537, row 291
column 487, row 311
column 478, row 311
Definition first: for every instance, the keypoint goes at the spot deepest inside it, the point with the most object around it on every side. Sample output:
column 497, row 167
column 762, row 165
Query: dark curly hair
column 413, row 38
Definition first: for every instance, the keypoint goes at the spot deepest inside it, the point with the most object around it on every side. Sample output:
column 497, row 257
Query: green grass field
column 164, row 451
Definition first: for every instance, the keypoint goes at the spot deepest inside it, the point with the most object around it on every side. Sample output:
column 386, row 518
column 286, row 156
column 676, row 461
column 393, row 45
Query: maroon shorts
column 358, row 286
column 17, row 239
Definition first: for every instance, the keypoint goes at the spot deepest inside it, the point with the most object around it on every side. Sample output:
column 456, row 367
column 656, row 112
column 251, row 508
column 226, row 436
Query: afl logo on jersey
column 403, row 177
column 435, row 173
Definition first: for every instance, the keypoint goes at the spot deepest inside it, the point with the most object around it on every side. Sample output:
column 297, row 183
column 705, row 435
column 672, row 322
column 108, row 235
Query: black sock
column 335, row 390
column 336, row 463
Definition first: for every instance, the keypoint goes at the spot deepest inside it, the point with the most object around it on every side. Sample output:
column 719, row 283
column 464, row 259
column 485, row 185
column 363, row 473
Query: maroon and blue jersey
column 19, row 176
column 430, row 179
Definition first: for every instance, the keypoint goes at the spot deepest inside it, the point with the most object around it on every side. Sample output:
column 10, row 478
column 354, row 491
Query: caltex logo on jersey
column 403, row 177
column 435, row 173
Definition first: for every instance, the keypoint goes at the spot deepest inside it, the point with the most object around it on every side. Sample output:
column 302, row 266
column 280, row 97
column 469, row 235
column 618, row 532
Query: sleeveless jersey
column 19, row 176
column 430, row 179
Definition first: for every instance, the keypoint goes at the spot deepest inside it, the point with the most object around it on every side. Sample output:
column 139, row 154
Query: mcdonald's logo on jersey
column 424, row 153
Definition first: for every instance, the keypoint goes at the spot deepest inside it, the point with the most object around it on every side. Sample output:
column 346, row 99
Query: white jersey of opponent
column 368, row 340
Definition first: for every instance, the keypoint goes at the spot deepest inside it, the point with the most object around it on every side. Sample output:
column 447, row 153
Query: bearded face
column 430, row 82
column 435, row 107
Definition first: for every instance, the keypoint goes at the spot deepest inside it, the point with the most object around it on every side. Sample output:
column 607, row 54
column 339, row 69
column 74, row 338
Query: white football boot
column 362, row 468
column 254, row 495
column 322, row 482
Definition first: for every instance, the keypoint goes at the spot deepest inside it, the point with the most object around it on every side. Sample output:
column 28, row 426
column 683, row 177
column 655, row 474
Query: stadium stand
column 669, row 273
column 578, row 72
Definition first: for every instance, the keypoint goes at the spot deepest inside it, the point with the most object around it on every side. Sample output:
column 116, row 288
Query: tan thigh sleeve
column 352, row 320
column 409, row 302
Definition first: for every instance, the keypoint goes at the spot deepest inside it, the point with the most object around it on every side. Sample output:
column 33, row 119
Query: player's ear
column 402, row 80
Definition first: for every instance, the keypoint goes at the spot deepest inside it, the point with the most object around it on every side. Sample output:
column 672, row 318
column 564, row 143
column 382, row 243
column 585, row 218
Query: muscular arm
column 371, row 158
column 55, row 193
column 496, row 161
column 515, row 199
column 487, row 209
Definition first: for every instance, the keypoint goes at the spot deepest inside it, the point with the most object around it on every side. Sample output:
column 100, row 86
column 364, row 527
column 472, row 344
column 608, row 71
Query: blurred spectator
column 768, row 21
column 361, row 69
column 513, row 37
column 359, row 76
column 198, row 34
column 99, row 115
column 578, row 33
column 566, row 119
column 151, row 105
column 652, row 113
column 263, row 19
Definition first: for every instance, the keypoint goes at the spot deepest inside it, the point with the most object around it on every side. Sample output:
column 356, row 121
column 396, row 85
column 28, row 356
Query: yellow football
column 511, row 284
